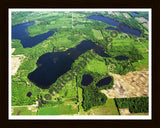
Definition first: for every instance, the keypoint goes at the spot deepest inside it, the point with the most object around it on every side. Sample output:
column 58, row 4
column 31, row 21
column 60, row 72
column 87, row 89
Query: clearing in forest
column 97, row 34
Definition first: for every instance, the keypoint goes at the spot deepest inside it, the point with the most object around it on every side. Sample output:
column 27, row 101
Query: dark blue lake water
column 52, row 65
column 86, row 80
column 20, row 32
column 113, row 22
column 29, row 94
column 121, row 58
column 104, row 81
column 134, row 13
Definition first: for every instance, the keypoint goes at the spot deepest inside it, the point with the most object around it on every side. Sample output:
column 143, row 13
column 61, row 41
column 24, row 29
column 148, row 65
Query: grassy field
column 107, row 109
column 123, row 47
column 97, row 34
column 69, row 90
column 23, row 111
column 60, row 109
column 96, row 66
column 142, row 65
column 63, row 43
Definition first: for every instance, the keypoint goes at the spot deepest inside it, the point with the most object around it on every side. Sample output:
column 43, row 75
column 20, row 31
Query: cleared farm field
column 61, row 109
column 107, row 109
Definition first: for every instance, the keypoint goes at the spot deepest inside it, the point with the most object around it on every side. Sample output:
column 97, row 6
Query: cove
column 20, row 32
column 52, row 65
column 113, row 22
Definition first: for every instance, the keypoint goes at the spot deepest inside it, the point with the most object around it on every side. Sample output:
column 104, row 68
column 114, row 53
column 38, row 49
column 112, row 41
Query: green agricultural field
column 97, row 34
column 100, row 66
column 60, row 109
column 23, row 111
column 107, row 109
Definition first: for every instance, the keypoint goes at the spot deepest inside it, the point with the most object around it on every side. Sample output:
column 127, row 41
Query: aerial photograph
column 84, row 62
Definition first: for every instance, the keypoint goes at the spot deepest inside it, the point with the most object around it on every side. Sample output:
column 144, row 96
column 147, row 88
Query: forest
column 135, row 105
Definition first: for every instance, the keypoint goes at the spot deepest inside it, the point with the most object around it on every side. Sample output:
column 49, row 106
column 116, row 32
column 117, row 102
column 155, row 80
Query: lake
column 134, row 13
column 113, row 22
column 52, row 65
column 20, row 32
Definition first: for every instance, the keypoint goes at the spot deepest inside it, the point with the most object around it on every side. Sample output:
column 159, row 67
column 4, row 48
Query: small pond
column 102, row 99
column 86, row 80
column 104, row 81
column 29, row 94
column 121, row 58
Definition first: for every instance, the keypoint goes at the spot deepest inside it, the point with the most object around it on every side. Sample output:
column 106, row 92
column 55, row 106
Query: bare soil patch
column 126, row 15
column 124, row 111
column 139, row 114
column 110, row 12
column 141, row 19
column 12, row 110
column 113, row 13
column 19, row 112
column 146, row 25
column 16, row 61
column 133, row 84
column 12, row 50
column 116, row 13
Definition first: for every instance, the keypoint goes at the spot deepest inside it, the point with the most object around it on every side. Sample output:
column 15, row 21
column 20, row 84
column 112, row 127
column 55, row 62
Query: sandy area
column 12, row 111
column 133, row 84
column 113, row 13
column 126, row 15
column 116, row 13
column 125, row 111
column 110, row 12
column 141, row 19
column 16, row 61
column 12, row 50
column 146, row 25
